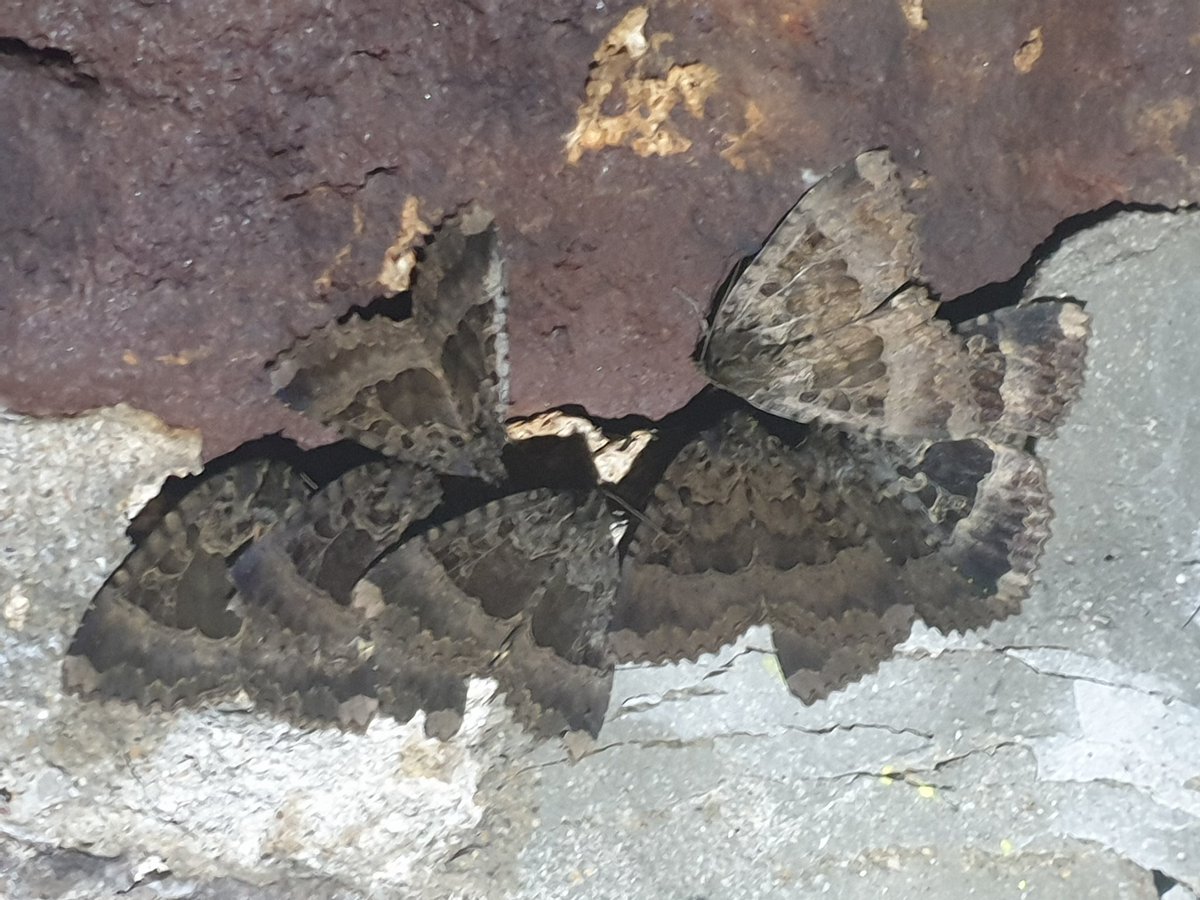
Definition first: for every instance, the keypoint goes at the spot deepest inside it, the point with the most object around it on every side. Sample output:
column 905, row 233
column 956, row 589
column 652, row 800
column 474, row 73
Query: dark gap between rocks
column 1162, row 882
column 62, row 61
column 1000, row 294
column 397, row 308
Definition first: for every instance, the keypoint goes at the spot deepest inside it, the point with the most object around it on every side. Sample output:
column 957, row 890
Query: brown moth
column 829, row 324
column 325, row 608
column 431, row 389
column 899, row 484
column 911, row 494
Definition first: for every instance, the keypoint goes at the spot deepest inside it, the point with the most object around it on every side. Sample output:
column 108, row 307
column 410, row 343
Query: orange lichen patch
column 185, row 358
column 627, row 37
column 612, row 456
column 1029, row 52
column 741, row 150
column 629, row 73
column 400, row 258
column 914, row 14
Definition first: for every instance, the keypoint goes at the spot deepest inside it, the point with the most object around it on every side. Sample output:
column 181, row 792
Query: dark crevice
column 320, row 465
column 59, row 61
column 50, row 56
column 559, row 463
column 397, row 308
column 1001, row 294
column 378, row 170
column 1162, row 882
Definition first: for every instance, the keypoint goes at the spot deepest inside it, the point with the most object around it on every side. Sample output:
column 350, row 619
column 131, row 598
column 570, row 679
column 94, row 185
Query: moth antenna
column 633, row 511
column 690, row 300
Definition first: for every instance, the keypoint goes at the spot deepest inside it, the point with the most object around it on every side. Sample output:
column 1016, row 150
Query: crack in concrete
column 710, row 739
column 343, row 189
column 889, row 774
column 914, row 777
column 1091, row 679
column 728, row 665
column 642, row 702
column 852, row 726
column 1012, row 651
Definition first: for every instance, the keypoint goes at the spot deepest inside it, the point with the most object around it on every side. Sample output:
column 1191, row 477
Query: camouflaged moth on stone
column 163, row 626
column 520, row 590
column 172, row 625
column 912, row 494
column 305, row 609
column 431, row 389
column 827, row 324
column 313, row 606
column 837, row 540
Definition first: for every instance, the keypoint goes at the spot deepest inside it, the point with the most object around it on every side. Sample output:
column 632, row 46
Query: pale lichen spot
column 1029, row 52
column 630, row 74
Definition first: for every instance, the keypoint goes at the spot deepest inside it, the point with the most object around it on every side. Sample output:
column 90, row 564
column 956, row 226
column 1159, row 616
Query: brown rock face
column 184, row 189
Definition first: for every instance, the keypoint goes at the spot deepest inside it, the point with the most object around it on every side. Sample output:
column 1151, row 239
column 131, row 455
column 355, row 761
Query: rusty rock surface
column 184, row 189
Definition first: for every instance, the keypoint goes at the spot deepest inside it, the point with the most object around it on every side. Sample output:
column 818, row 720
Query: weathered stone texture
column 185, row 188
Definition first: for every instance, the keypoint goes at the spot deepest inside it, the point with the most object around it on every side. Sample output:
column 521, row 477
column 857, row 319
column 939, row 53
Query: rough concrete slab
column 1048, row 756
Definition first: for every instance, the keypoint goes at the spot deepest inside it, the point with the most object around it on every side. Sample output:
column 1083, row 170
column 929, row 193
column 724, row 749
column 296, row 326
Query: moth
column 371, row 595
column 861, row 464
column 911, row 492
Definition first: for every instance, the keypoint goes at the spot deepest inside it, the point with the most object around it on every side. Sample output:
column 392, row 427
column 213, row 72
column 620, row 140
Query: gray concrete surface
column 1050, row 756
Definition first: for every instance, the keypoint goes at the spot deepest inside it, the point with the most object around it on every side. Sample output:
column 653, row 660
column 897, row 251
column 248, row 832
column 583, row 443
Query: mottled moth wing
column 520, row 590
column 837, row 541
column 343, row 529
column 826, row 324
column 843, row 249
column 163, row 626
column 311, row 635
column 431, row 389
column 245, row 587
